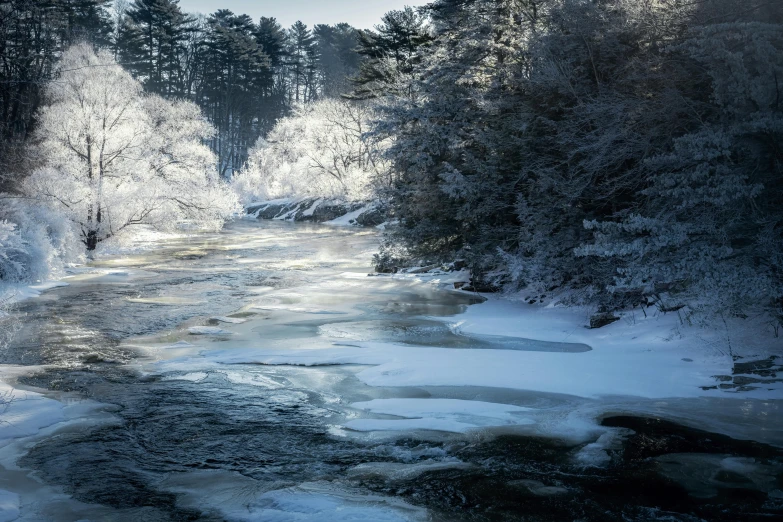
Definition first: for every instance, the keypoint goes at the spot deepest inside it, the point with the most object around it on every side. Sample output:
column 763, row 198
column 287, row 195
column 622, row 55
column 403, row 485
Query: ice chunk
column 452, row 415
column 207, row 330
column 179, row 344
column 9, row 506
column 231, row 320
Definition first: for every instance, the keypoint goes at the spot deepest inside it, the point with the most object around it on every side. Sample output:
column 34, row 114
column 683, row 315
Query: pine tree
column 236, row 76
column 338, row 57
column 302, row 58
column 390, row 52
column 151, row 43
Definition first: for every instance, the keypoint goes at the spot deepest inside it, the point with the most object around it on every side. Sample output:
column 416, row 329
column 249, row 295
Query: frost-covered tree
column 112, row 157
column 321, row 150
column 709, row 220
column 390, row 52
column 654, row 123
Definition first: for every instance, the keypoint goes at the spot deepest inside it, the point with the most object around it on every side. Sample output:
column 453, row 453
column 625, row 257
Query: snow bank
column 588, row 374
column 318, row 210
column 351, row 218
column 16, row 293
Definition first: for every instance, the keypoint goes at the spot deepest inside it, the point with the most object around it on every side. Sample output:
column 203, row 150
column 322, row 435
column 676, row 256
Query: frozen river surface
column 138, row 394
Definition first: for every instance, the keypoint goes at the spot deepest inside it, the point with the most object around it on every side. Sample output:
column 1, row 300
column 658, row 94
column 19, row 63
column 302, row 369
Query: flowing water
column 153, row 431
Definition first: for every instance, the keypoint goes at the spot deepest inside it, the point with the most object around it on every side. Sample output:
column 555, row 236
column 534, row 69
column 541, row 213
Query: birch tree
column 111, row 157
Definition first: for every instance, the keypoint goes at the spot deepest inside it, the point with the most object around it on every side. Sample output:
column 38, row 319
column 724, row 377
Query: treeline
column 243, row 74
column 614, row 151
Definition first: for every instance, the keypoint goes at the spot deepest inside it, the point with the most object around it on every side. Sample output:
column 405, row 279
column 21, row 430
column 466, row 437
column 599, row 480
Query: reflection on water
column 193, row 440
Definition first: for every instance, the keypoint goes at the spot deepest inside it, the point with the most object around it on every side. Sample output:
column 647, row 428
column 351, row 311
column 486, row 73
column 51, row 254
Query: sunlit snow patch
column 452, row 415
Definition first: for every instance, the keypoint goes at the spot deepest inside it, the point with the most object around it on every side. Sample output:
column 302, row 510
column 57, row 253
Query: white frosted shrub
column 112, row 157
column 322, row 150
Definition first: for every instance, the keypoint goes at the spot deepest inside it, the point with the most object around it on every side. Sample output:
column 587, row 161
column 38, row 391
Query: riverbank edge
column 370, row 213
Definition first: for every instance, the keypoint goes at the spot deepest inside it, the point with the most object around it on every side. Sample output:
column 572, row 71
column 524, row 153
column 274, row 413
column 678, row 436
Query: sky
column 362, row 14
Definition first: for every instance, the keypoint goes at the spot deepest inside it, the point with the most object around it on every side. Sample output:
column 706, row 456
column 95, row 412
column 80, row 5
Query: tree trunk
column 91, row 240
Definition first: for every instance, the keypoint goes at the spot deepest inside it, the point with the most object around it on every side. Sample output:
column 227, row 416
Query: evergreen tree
column 271, row 39
column 302, row 59
column 338, row 57
column 390, row 52
column 33, row 35
column 151, row 42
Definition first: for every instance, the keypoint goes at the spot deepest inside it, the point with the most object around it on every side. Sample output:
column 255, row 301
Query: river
column 152, row 430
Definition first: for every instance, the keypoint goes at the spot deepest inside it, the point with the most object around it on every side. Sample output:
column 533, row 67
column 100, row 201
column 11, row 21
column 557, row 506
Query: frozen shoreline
column 517, row 369
column 643, row 359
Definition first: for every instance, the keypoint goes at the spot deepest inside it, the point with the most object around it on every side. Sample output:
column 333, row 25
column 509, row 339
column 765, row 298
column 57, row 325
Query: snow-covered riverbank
column 319, row 210
column 280, row 332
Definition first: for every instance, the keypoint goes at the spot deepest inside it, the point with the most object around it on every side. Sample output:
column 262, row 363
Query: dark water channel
column 194, row 441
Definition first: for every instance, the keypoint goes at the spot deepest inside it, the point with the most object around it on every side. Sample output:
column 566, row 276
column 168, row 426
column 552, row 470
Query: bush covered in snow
column 112, row 157
column 35, row 242
column 321, row 150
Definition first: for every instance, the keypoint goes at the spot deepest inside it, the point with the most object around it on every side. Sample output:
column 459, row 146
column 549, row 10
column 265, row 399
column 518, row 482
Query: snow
column 588, row 374
column 310, row 211
column 349, row 219
column 17, row 293
column 252, row 379
column 627, row 358
column 437, row 414
column 437, row 277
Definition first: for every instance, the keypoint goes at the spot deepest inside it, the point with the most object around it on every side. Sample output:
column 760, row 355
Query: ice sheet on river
column 238, row 498
column 452, row 415
column 625, row 360
column 650, row 374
